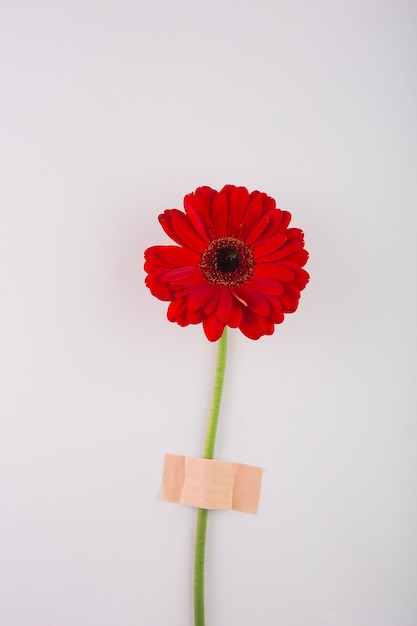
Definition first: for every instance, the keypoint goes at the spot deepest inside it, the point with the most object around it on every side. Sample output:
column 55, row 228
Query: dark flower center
column 227, row 261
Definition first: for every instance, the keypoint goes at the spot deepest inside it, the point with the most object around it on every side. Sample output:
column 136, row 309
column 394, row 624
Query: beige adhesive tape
column 210, row 484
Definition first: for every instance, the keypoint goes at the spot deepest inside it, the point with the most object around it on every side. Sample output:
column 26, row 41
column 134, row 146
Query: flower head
column 236, row 264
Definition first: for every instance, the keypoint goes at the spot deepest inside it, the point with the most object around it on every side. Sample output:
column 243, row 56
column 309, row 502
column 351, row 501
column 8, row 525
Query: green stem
column 200, row 539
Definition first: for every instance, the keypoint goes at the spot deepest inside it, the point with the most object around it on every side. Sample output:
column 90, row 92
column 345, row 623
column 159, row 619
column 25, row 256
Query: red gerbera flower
column 237, row 263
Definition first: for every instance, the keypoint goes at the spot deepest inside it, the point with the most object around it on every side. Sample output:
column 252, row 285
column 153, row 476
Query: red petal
column 187, row 275
column 198, row 210
column 158, row 289
column 195, row 317
column 178, row 226
column 274, row 270
column 238, row 202
column 282, row 252
column 266, row 285
column 270, row 245
column 176, row 310
column 173, row 255
column 252, row 213
column 151, row 254
column 290, row 298
column 276, row 316
column 273, row 227
column 301, row 278
column 236, row 314
column 199, row 297
column 211, row 304
column 213, row 328
column 287, row 303
column 257, row 230
column 224, row 307
column 165, row 220
column 285, row 220
column 251, row 325
column 203, row 202
column 227, row 190
column 254, row 300
column 269, row 327
column 220, row 213
column 297, row 258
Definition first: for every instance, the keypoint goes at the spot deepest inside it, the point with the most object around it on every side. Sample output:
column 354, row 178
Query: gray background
column 110, row 113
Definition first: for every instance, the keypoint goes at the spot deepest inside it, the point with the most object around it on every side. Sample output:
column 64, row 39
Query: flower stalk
column 201, row 530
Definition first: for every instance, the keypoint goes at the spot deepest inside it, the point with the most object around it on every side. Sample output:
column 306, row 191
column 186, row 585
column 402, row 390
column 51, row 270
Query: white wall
column 110, row 112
